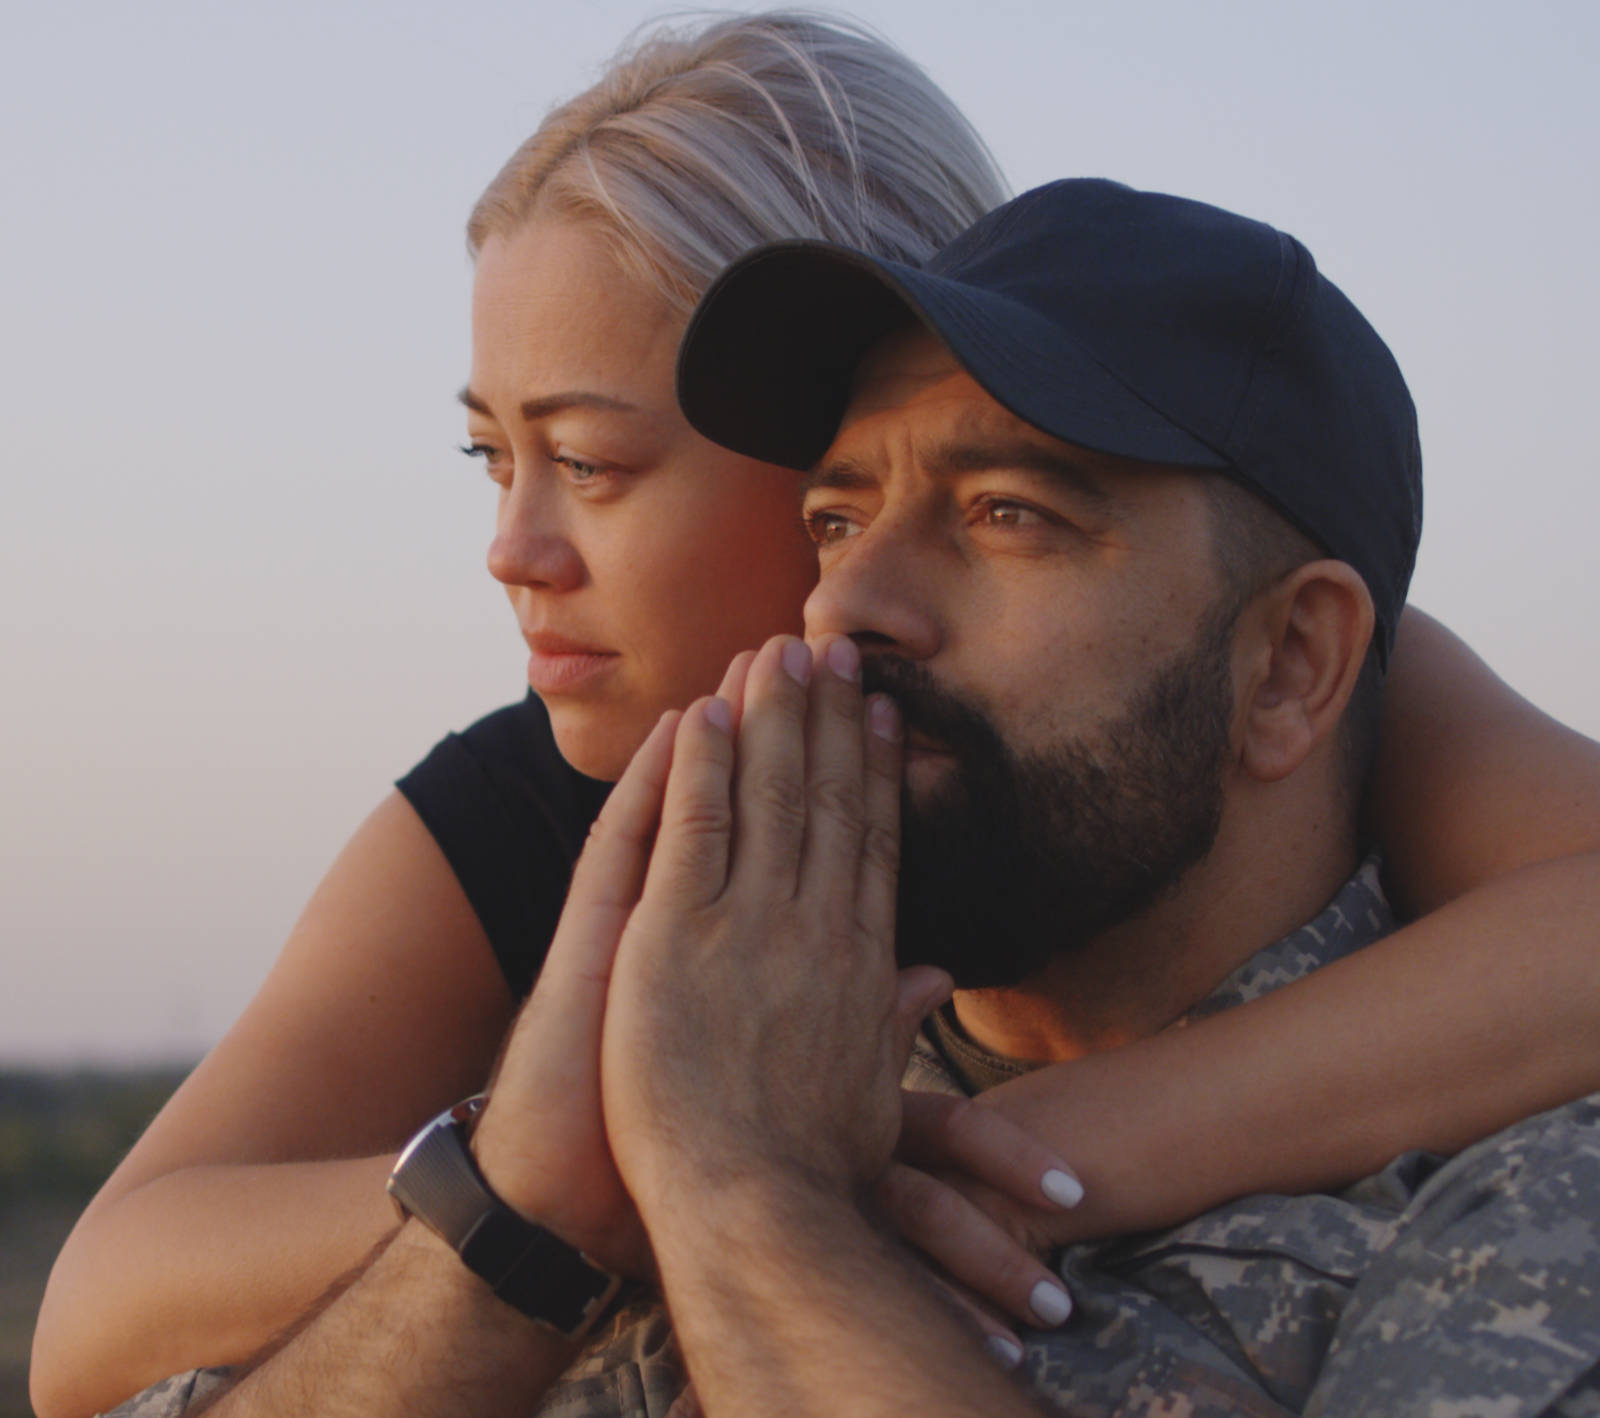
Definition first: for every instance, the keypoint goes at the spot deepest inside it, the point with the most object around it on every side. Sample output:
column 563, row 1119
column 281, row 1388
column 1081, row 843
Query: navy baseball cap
column 1133, row 323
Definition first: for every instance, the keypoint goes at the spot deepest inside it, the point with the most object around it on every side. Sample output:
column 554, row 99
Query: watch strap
column 438, row 1181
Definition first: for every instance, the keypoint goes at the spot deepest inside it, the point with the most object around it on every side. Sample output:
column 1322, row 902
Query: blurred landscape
column 61, row 1134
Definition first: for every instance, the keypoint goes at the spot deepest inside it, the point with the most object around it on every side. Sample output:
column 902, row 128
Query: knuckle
column 603, row 831
column 777, row 803
column 880, row 848
column 703, row 815
column 838, row 796
column 922, row 1207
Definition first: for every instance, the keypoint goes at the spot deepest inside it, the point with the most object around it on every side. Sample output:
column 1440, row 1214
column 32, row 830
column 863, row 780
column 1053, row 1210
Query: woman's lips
column 557, row 665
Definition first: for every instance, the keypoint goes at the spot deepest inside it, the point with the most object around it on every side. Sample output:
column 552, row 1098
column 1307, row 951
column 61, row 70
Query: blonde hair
column 701, row 143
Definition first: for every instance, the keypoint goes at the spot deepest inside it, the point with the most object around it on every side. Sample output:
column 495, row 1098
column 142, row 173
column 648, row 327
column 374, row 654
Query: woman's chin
column 597, row 742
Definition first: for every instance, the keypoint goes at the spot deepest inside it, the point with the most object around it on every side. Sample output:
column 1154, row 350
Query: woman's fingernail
column 883, row 717
column 1050, row 1302
column 844, row 659
column 797, row 661
column 1061, row 1187
column 719, row 715
column 1005, row 1349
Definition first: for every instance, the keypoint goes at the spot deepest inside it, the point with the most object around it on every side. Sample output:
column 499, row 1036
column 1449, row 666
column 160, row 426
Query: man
column 1113, row 501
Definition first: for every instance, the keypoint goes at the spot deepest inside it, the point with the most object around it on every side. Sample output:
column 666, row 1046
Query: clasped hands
column 721, row 1007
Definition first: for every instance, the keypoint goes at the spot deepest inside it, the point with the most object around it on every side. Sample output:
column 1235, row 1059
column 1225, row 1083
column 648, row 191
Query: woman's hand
column 542, row 1141
column 984, row 1200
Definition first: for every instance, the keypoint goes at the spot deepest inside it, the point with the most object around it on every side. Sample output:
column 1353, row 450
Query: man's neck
column 1135, row 979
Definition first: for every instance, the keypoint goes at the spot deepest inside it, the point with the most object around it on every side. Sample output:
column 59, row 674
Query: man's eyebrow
column 534, row 409
column 1075, row 471
column 837, row 473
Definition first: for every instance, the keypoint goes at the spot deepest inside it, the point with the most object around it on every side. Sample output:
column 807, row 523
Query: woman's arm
column 1482, row 1012
column 1473, row 782
column 261, row 1182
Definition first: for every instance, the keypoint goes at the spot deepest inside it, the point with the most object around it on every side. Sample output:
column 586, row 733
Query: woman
column 638, row 559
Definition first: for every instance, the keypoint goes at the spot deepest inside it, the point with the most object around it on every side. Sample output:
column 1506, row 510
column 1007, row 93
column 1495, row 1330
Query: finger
column 733, row 681
column 835, row 794
column 610, row 874
column 557, row 1034
column 919, row 991
column 880, row 843
column 972, row 1248
column 689, row 866
column 769, row 782
column 940, row 1133
column 1001, row 1342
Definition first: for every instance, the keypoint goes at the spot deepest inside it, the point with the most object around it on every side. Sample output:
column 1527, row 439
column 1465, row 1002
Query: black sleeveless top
column 510, row 814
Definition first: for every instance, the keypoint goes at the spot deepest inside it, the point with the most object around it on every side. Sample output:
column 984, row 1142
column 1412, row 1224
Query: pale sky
column 241, row 562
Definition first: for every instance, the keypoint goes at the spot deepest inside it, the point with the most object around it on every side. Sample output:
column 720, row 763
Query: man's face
column 1047, row 618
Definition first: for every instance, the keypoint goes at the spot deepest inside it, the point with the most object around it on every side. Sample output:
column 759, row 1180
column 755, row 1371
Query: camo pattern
column 1464, row 1288
column 181, row 1396
column 1460, row 1288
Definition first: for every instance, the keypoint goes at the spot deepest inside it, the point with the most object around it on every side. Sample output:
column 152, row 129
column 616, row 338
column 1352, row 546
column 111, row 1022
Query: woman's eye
column 580, row 470
column 490, row 457
column 825, row 528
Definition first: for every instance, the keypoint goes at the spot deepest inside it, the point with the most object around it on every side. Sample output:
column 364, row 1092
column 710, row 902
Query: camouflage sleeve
column 182, row 1396
column 1487, row 1303
column 1581, row 1401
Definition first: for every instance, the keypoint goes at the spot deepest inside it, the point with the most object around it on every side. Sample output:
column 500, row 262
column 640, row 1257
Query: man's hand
column 757, row 1025
column 755, row 1036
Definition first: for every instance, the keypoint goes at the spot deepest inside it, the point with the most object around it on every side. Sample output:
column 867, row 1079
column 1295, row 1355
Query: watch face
column 532, row 1269
column 411, row 1149
column 459, row 1119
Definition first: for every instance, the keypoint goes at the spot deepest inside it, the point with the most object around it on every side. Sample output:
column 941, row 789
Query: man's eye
column 998, row 512
column 825, row 528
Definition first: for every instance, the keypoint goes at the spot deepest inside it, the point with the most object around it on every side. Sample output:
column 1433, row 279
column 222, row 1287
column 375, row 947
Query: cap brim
column 767, row 362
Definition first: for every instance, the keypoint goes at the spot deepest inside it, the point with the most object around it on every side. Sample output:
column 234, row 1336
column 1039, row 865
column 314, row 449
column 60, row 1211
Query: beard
column 1018, row 857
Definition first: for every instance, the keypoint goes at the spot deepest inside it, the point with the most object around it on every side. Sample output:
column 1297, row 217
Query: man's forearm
column 417, row 1334
column 789, row 1302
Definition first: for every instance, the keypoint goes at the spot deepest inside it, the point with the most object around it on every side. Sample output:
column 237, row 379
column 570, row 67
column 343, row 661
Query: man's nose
column 531, row 544
column 880, row 588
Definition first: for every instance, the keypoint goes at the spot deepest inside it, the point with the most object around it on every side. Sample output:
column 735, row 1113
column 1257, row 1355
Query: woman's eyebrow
column 535, row 409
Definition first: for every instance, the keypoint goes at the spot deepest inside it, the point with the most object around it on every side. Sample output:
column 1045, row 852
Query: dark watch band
column 437, row 1180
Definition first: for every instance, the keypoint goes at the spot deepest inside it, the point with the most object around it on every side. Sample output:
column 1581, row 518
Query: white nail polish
column 1007, row 1351
column 1050, row 1302
column 1061, row 1187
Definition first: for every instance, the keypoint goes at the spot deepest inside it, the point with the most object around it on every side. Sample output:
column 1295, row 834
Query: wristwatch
column 437, row 1180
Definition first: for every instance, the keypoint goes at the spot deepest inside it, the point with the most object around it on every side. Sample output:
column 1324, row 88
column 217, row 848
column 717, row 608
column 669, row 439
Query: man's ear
column 1307, row 637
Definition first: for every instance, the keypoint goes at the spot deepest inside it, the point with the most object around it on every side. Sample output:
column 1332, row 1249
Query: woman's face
column 639, row 558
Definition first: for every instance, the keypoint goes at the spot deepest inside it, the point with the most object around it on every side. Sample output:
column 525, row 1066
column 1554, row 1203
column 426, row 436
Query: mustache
column 928, row 708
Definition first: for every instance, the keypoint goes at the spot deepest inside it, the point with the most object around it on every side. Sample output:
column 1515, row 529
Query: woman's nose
column 531, row 544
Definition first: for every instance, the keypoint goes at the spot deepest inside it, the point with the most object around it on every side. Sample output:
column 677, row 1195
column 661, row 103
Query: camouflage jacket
column 1460, row 1288
column 1467, row 1288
